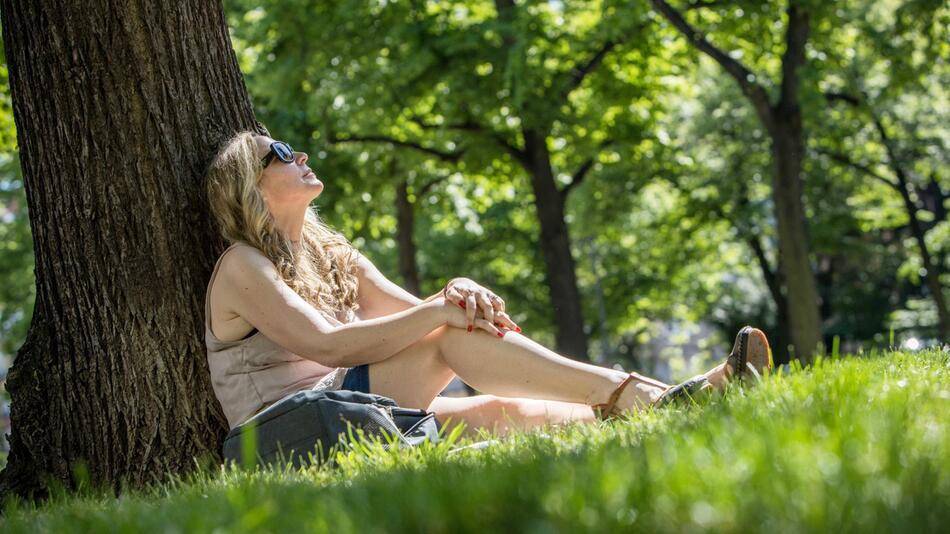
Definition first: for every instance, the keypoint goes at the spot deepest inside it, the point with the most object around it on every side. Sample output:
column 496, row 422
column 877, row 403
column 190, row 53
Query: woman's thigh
column 413, row 376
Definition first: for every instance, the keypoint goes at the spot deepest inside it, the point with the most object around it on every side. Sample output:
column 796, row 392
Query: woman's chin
column 315, row 186
column 315, row 192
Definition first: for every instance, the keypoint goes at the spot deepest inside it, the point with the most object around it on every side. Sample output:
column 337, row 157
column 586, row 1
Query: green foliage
column 17, row 284
column 849, row 445
column 679, row 184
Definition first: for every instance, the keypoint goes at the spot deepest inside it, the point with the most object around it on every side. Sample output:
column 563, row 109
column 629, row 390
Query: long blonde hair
column 321, row 269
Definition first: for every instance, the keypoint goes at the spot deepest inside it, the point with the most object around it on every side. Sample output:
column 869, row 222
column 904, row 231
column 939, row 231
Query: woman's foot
column 750, row 357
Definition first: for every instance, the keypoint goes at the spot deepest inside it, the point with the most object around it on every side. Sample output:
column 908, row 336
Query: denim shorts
column 357, row 379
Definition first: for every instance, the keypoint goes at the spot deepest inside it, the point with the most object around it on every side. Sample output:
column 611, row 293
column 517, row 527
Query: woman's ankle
column 719, row 375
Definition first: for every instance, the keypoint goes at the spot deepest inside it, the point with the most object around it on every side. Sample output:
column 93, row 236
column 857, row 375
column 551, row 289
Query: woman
column 291, row 305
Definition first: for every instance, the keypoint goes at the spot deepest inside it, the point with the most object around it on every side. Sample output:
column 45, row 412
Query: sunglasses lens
column 284, row 152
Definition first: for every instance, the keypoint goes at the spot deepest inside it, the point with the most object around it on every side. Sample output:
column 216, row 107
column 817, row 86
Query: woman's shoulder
column 241, row 258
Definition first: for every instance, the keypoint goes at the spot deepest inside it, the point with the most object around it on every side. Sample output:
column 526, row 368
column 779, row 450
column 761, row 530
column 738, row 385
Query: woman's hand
column 478, row 301
column 456, row 317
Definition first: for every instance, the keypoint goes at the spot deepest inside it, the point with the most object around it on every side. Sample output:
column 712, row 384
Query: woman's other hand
column 478, row 301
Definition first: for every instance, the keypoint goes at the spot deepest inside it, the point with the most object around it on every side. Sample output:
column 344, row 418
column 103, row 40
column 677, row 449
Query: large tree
column 781, row 117
column 118, row 109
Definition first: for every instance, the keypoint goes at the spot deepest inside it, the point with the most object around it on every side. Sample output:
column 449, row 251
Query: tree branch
column 445, row 156
column 833, row 96
column 903, row 180
column 739, row 72
column 577, row 177
column 577, row 74
column 428, row 185
column 702, row 4
column 845, row 160
column 470, row 125
column 582, row 171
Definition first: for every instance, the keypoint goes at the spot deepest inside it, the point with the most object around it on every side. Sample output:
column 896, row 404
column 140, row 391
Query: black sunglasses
column 279, row 150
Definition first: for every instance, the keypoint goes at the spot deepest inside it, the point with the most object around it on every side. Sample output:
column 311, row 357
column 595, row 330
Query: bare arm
column 263, row 299
column 378, row 296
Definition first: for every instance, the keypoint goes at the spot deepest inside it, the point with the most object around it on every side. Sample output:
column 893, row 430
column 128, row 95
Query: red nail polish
column 501, row 334
column 462, row 304
column 470, row 328
column 518, row 329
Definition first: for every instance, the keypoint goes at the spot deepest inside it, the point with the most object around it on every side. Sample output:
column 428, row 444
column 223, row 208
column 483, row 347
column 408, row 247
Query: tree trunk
column 405, row 222
column 778, row 339
column 802, row 295
column 119, row 108
column 570, row 338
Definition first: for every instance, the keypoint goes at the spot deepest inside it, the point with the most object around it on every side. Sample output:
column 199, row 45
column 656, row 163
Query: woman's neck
column 291, row 225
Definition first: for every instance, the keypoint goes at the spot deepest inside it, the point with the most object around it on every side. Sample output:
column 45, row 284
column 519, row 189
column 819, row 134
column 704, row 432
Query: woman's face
column 286, row 184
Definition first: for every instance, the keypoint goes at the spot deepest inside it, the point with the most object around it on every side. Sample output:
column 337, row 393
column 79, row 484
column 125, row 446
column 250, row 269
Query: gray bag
column 312, row 422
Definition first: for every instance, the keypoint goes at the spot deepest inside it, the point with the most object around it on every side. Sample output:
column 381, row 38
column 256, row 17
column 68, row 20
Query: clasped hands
column 482, row 308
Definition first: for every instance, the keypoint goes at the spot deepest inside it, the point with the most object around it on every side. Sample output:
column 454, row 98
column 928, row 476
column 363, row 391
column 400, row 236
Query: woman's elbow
column 324, row 357
column 323, row 351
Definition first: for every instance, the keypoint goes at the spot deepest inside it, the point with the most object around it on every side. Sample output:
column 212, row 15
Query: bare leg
column 513, row 366
column 501, row 415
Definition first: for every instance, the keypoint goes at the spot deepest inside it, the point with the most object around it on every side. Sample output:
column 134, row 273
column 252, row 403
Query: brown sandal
column 751, row 354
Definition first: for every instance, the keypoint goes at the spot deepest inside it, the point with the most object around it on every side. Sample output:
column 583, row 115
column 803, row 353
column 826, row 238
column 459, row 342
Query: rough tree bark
column 119, row 108
column 783, row 122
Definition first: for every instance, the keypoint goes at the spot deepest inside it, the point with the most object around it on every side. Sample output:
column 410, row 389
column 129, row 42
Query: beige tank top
column 251, row 373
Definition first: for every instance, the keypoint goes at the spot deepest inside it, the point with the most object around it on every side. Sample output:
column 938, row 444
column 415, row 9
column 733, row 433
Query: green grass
column 850, row 445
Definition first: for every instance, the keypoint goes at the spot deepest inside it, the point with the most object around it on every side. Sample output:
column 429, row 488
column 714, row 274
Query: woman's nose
column 302, row 158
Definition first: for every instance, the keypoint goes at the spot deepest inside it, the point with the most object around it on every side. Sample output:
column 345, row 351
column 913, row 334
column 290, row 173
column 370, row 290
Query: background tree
column 117, row 117
column 780, row 114
column 888, row 101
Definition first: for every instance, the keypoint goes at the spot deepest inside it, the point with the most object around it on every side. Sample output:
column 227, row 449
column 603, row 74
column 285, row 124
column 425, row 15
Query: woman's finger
column 489, row 327
column 470, row 308
column 498, row 303
column 488, row 312
column 455, row 296
column 503, row 319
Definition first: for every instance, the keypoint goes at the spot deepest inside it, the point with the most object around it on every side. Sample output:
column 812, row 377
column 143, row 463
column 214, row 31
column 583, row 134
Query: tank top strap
column 214, row 273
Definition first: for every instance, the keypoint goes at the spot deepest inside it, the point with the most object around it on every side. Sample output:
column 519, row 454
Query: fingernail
column 462, row 304
column 469, row 328
column 518, row 329
column 501, row 334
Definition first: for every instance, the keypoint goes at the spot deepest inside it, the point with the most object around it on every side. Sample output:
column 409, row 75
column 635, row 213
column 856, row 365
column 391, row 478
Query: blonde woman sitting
column 291, row 305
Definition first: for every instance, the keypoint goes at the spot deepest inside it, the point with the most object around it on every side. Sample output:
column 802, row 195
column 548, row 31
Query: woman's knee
column 450, row 337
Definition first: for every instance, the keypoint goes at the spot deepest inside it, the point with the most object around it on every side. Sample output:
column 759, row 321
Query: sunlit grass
column 849, row 445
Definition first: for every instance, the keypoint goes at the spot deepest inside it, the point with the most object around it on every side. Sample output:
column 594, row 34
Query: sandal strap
column 687, row 389
column 691, row 386
column 606, row 409
column 740, row 353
